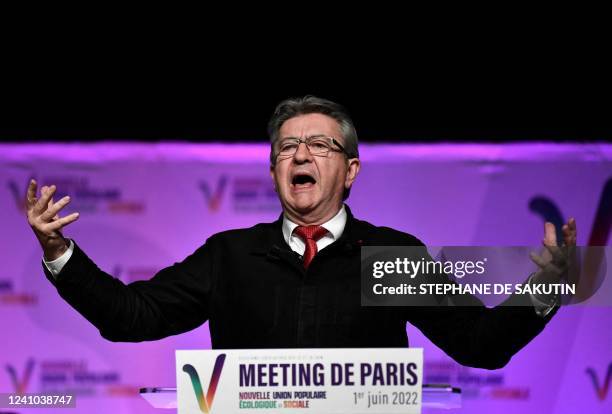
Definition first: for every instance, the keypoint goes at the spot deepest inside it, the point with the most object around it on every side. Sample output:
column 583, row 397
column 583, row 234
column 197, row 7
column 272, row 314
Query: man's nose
column 302, row 154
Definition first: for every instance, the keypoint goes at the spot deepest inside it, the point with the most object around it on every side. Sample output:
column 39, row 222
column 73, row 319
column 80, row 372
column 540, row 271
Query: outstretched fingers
column 31, row 194
column 55, row 208
column 550, row 234
column 569, row 232
column 62, row 222
column 43, row 201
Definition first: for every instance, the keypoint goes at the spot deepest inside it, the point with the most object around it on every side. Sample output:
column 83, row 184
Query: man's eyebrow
column 308, row 136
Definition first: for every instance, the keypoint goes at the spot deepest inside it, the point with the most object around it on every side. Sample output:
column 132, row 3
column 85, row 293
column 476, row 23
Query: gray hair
column 292, row 107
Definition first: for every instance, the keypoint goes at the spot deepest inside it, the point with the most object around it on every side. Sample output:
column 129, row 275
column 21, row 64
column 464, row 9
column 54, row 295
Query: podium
column 440, row 396
column 317, row 380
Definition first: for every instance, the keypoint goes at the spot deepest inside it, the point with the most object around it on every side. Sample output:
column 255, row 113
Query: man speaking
column 293, row 283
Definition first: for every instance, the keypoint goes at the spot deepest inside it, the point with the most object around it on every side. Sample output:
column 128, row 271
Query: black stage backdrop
column 148, row 104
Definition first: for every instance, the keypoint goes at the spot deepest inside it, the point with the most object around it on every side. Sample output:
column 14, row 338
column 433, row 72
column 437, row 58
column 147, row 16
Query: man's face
column 310, row 187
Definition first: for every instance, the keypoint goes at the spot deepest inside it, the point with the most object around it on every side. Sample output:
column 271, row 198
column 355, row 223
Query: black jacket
column 255, row 293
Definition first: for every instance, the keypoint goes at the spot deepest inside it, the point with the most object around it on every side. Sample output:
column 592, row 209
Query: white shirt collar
column 335, row 226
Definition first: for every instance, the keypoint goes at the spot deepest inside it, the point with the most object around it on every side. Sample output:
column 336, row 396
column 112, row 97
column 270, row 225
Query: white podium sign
column 352, row 380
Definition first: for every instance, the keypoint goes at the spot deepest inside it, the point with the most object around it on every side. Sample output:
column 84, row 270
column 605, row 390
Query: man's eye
column 287, row 147
column 318, row 144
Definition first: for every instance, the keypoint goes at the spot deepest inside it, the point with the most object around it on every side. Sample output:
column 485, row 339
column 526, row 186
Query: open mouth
column 302, row 180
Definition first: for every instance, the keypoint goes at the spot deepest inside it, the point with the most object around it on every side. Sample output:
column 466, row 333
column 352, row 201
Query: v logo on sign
column 21, row 385
column 214, row 196
column 601, row 390
column 205, row 403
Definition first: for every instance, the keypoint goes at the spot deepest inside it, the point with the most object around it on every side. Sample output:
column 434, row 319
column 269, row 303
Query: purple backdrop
column 144, row 206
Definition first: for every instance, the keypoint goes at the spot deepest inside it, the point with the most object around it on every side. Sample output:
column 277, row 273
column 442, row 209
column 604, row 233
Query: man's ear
column 353, row 167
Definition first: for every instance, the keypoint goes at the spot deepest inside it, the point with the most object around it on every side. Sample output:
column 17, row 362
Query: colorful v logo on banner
column 601, row 391
column 21, row 385
column 214, row 197
column 205, row 403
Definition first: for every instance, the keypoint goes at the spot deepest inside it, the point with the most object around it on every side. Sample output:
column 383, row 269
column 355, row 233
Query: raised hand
column 43, row 217
column 555, row 260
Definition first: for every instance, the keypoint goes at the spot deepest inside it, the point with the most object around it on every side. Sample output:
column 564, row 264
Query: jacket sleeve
column 175, row 300
column 477, row 336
